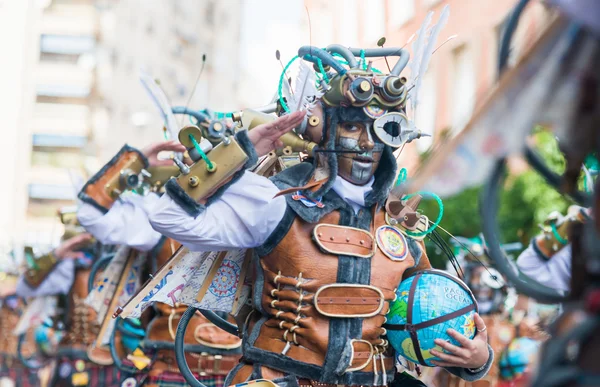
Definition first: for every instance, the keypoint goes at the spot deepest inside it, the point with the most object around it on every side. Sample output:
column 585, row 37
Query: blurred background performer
column 120, row 216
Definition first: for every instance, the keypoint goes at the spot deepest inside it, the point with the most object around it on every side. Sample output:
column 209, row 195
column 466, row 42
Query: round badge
column 374, row 111
column 392, row 243
column 64, row 370
column 129, row 382
column 79, row 365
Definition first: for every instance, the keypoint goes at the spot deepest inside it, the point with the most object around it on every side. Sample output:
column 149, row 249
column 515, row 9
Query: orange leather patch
column 341, row 240
column 101, row 190
column 349, row 300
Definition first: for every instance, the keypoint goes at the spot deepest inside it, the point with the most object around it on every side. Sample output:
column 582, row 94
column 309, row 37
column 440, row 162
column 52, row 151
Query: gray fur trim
column 88, row 199
column 465, row 374
column 297, row 176
column 415, row 250
column 184, row 200
column 385, row 177
column 194, row 208
column 537, row 250
column 233, row 373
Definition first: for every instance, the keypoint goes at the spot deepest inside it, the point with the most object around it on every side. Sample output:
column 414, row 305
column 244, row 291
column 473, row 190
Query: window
column 463, row 90
column 66, row 44
column 66, row 91
column 349, row 23
column 400, row 11
column 374, row 20
column 51, row 192
column 58, row 141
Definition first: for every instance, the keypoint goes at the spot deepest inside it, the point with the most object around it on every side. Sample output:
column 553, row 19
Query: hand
column 151, row 152
column 265, row 137
column 472, row 353
column 67, row 249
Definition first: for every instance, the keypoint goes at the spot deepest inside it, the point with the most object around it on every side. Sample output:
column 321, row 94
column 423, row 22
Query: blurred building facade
column 167, row 40
column 53, row 99
column 71, row 95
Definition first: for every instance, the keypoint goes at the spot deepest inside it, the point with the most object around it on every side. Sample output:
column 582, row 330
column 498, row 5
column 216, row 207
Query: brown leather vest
column 82, row 327
column 199, row 332
column 305, row 303
column 9, row 319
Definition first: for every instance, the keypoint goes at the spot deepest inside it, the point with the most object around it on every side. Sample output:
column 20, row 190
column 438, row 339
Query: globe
column 517, row 356
column 427, row 304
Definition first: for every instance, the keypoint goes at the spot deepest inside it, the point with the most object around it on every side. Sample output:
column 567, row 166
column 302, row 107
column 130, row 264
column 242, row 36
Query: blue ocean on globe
column 436, row 294
column 517, row 356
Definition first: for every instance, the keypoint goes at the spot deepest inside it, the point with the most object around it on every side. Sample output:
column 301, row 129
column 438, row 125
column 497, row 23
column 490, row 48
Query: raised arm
column 117, row 218
column 237, row 211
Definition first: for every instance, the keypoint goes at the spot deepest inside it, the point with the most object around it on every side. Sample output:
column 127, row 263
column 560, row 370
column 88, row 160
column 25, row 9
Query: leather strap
column 409, row 318
column 430, row 323
column 349, row 300
column 312, row 185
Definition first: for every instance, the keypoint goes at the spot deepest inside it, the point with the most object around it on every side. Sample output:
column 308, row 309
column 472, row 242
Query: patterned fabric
column 13, row 370
column 97, row 376
column 174, row 379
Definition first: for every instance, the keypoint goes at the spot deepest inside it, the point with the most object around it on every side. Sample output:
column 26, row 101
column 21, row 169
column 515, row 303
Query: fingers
column 288, row 122
column 79, row 240
column 453, row 349
column 462, row 340
column 480, row 324
column 171, row 145
column 75, row 255
column 444, row 364
column 174, row 146
column 447, row 357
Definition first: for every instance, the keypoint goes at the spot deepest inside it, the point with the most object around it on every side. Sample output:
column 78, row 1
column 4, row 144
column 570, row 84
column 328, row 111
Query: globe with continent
column 427, row 304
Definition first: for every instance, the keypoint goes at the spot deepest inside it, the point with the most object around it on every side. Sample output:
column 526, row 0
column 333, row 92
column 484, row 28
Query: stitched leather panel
column 349, row 301
column 294, row 271
column 340, row 240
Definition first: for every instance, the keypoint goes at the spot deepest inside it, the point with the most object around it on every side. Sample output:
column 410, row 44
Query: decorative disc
column 391, row 242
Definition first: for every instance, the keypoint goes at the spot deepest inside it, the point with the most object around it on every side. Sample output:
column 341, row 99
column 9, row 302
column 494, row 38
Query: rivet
column 314, row 121
column 362, row 242
column 320, row 234
column 331, row 238
column 347, row 239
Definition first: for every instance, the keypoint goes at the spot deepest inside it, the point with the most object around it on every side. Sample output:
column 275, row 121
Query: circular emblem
column 225, row 281
column 129, row 382
column 374, row 111
column 64, row 370
column 392, row 243
column 80, row 365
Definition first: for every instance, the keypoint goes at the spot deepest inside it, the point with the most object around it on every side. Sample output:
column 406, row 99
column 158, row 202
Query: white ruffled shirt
column 243, row 217
column 125, row 223
column 554, row 273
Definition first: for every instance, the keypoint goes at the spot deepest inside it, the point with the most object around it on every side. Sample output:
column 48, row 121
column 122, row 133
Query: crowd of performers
column 306, row 189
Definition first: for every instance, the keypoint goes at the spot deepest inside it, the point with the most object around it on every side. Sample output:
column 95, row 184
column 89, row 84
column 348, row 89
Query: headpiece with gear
column 350, row 90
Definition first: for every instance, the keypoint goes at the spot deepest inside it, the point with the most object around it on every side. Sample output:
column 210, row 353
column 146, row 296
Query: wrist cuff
column 112, row 179
column 196, row 190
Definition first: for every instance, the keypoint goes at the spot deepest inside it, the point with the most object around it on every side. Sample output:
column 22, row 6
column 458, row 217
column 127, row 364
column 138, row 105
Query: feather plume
column 161, row 101
column 305, row 91
column 428, row 52
column 418, row 47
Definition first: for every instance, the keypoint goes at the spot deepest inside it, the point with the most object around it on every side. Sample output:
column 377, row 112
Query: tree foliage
column 526, row 201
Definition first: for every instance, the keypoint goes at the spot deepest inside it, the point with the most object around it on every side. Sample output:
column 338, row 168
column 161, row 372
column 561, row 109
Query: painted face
column 358, row 168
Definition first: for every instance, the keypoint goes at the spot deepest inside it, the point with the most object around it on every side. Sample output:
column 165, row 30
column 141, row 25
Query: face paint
column 358, row 168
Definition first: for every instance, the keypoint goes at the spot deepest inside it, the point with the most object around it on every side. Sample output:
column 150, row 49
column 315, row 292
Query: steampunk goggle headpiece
column 382, row 97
